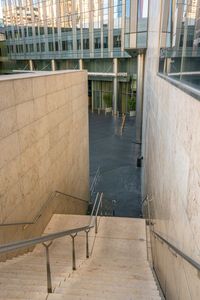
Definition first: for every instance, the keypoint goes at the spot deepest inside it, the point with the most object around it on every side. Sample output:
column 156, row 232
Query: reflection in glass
column 117, row 13
column 180, row 53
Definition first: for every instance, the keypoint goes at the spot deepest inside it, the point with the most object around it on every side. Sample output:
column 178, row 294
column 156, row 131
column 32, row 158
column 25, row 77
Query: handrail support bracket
column 49, row 281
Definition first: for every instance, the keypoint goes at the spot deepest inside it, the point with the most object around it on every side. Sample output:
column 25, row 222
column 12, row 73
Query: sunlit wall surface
column 180, row 41
column 136, row 24
column 65, row 28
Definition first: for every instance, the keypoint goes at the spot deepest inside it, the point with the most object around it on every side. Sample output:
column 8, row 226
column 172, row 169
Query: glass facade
column 180, row 41
column 52, row 29
column 136, row 24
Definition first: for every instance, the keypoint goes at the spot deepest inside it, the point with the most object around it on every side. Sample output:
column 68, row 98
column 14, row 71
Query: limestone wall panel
column 43, row 146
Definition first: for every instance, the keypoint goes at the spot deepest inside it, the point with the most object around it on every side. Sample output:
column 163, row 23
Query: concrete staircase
column 117, row 268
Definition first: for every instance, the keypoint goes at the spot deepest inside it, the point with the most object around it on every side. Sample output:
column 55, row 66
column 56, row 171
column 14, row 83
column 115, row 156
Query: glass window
column 31, row 48
column 97, row 43
column 105, row 13
column 36, row 31
column 38, row 47
column 117, row 13
column 56, row 46
column 30, row 31
column 50, row 30
column 41, row 30
column 180, row 42
column 86, row 43
column 70, row 45
column 64, row 45
column 85, row 13
column 78, row 44
column 117, row 41
column 96, row 14
column 51, row 48
column 128, row 5
column 10, row 34
column 105, row 42
column 67, row 45
column 42, row 47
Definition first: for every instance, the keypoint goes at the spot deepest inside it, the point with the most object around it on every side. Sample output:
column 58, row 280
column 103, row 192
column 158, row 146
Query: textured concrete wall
column 171, row 174
column 43, row 147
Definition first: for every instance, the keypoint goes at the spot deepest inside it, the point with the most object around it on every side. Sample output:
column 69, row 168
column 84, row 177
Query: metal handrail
column 39, row 214
column 191, row 261
column 178, row 251
column 52, row 236
column 94, row 182
column 39, row 240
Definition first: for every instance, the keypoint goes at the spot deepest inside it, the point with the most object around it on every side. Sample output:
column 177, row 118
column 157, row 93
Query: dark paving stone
column 116, row 155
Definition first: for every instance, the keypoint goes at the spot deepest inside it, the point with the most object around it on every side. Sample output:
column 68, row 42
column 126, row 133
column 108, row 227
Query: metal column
column 139, row 99
column 80, row 64
column 53, row 65
column 31, row 65
column 115, row 85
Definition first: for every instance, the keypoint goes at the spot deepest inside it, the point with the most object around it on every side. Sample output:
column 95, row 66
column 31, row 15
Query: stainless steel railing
column 94, row 181
column 39, row 214
column 179, row 252
column 192, row 262
column 49, row 238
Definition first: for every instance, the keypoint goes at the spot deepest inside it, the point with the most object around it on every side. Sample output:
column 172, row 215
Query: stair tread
column 99, row 297
column 116, row 282
column 105, row 290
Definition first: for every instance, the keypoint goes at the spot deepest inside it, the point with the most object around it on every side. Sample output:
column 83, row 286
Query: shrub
column 107, row 98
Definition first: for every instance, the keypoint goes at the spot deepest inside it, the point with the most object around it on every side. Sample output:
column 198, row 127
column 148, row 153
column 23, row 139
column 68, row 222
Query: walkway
column 116, row 155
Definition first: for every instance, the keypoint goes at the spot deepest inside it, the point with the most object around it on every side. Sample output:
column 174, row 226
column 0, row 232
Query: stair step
column 23, row 282
column 99, row 283
column 29, row 276
column 99, row 297
column 29, row 273
column 41, row 267
column 105, row 273
column 106, row 291
column 12, row 288
column 23, row 298
column 23, row 295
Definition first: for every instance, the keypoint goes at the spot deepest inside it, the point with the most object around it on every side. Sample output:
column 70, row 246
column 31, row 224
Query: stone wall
column 171, row 173
column 43, row 147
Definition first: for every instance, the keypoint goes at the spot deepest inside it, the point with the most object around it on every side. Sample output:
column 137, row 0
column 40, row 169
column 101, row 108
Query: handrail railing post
column 49, row 282
column 87, row 244
column 96, row 225
column 73, row 252
column 101, row 209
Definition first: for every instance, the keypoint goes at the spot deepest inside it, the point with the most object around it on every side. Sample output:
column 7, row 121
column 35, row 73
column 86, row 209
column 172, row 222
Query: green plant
column 132, row 103
column 107, row 98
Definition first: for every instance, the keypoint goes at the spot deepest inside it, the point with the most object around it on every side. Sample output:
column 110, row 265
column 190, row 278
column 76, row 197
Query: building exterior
column 107, row 38
column 80, row 34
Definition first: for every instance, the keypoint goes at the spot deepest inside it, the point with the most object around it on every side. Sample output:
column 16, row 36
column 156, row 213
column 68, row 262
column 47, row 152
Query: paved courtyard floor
column 116, row 155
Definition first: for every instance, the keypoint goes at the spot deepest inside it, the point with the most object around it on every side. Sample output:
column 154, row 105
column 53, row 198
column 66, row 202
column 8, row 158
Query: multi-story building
column 76, row 34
